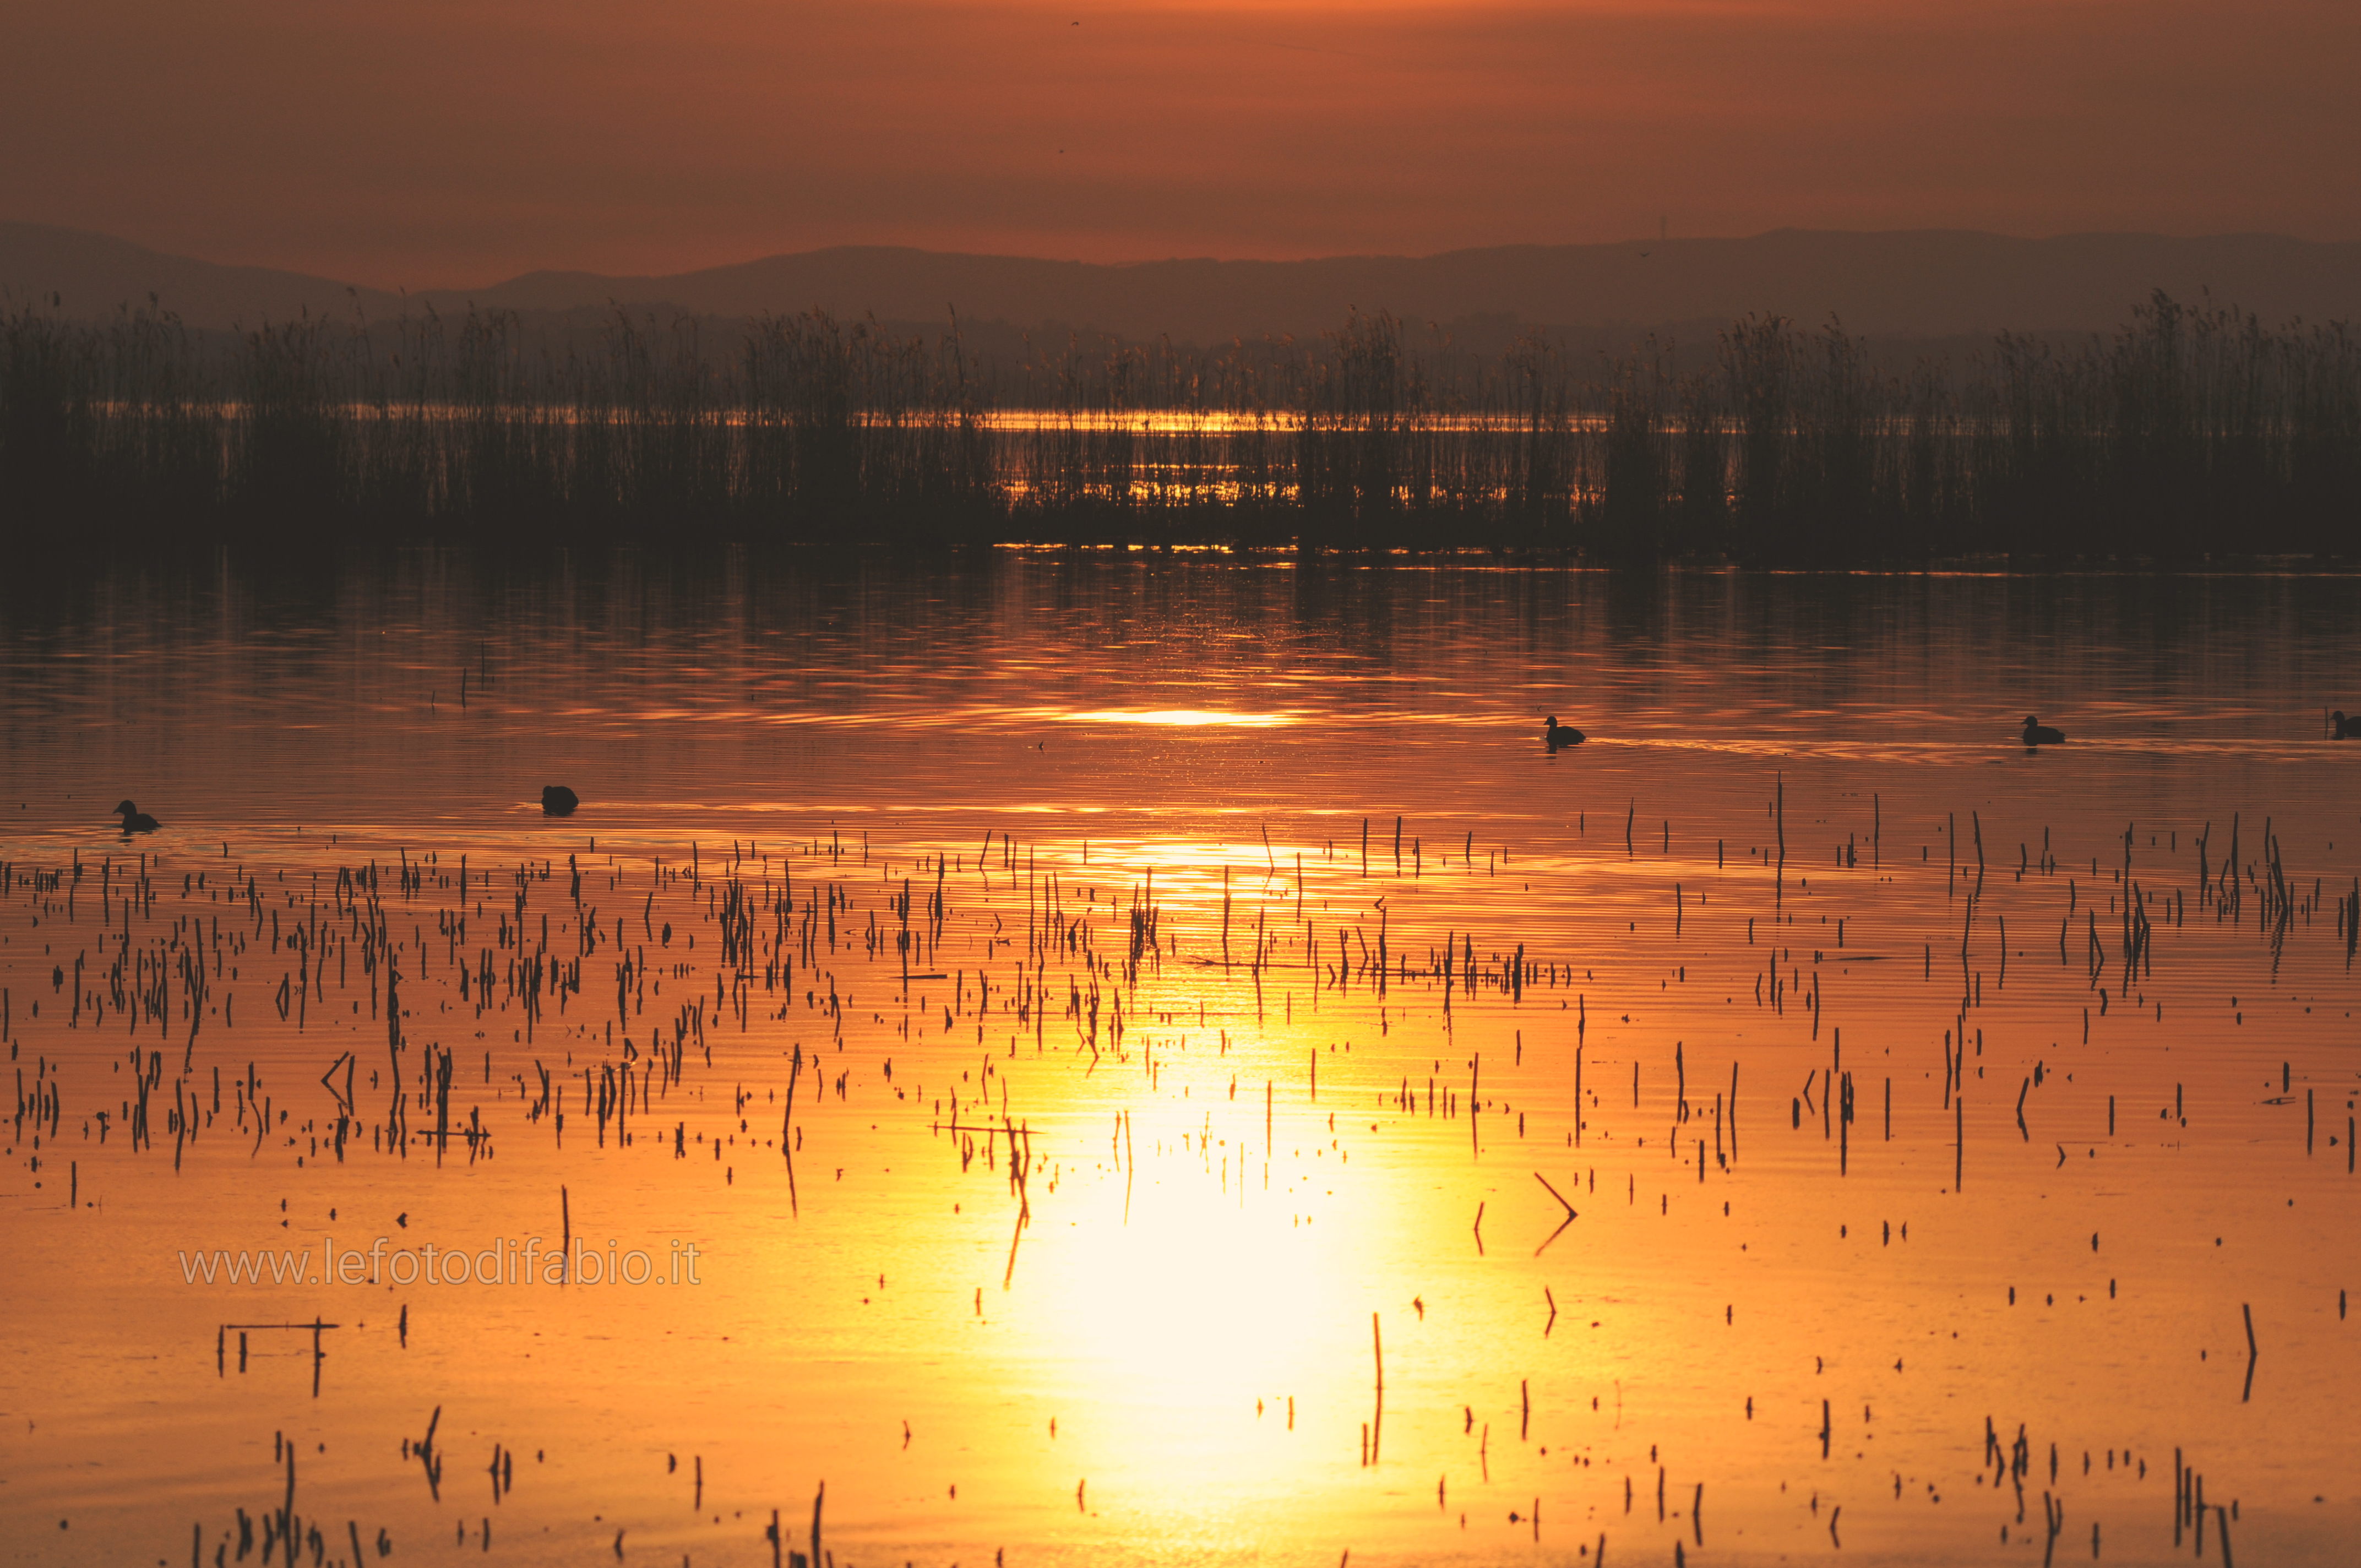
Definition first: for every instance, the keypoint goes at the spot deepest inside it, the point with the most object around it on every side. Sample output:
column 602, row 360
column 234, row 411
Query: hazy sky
column 409, row 143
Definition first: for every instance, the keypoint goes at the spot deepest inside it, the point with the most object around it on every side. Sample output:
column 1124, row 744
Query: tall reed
column 2192, row 431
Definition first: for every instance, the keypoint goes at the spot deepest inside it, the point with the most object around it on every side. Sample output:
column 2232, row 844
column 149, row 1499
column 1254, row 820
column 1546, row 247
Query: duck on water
column 136, row 820
column 2039, row 734
column 2346, row 729
column 1554, row 734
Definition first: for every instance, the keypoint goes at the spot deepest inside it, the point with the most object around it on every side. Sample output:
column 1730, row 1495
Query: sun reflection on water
column 1131, row 949
column 1181, row 718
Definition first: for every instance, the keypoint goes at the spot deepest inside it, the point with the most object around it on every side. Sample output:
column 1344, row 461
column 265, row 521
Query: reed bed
column 804, row 913
column 2189, row 432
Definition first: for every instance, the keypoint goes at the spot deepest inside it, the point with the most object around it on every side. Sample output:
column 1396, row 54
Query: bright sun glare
column 1189, row 716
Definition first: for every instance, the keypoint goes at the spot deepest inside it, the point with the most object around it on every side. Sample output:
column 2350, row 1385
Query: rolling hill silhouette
column 94, row 275
column 1927, row 283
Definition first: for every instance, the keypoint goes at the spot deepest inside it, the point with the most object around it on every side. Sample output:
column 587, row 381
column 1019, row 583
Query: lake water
column 1234, row 910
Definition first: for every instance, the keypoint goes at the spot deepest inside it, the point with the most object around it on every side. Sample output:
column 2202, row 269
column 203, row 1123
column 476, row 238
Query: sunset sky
column 430, row 144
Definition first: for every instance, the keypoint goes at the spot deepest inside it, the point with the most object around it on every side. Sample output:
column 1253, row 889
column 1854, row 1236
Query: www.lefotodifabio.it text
column 505, row 1262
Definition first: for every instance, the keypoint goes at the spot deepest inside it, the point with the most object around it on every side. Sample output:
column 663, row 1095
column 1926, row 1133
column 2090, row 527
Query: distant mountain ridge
column 94, row 275
column 1922, row 283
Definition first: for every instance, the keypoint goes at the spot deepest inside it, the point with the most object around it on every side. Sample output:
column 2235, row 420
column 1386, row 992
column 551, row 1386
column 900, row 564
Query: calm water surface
column 1157, row 1062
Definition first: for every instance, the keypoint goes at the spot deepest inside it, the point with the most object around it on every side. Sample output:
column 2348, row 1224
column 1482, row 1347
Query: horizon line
column 1174, row 259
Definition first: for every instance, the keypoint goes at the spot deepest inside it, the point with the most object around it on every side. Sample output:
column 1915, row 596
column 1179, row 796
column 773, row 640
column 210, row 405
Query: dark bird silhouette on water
column 1554, row 734
column 556, row 800
column 2346, row 729
column 2039, row 734
column 136, row 820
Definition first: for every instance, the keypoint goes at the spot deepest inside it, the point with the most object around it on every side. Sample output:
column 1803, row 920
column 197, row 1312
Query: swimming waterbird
column 136, row 820
column 1554, row 734
column 556, row 800
column 2039, row 734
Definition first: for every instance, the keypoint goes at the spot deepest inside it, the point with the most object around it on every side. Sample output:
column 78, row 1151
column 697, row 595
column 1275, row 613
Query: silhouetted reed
column 2192, row 431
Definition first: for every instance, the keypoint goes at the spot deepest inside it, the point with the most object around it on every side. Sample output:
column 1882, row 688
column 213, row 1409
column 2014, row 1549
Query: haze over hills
column 1921, row 284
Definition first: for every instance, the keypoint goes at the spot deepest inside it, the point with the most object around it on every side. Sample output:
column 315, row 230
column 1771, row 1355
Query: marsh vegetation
column 2189, row 432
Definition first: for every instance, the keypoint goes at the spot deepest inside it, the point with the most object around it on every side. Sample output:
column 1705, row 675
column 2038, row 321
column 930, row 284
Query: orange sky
column 414, row 143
